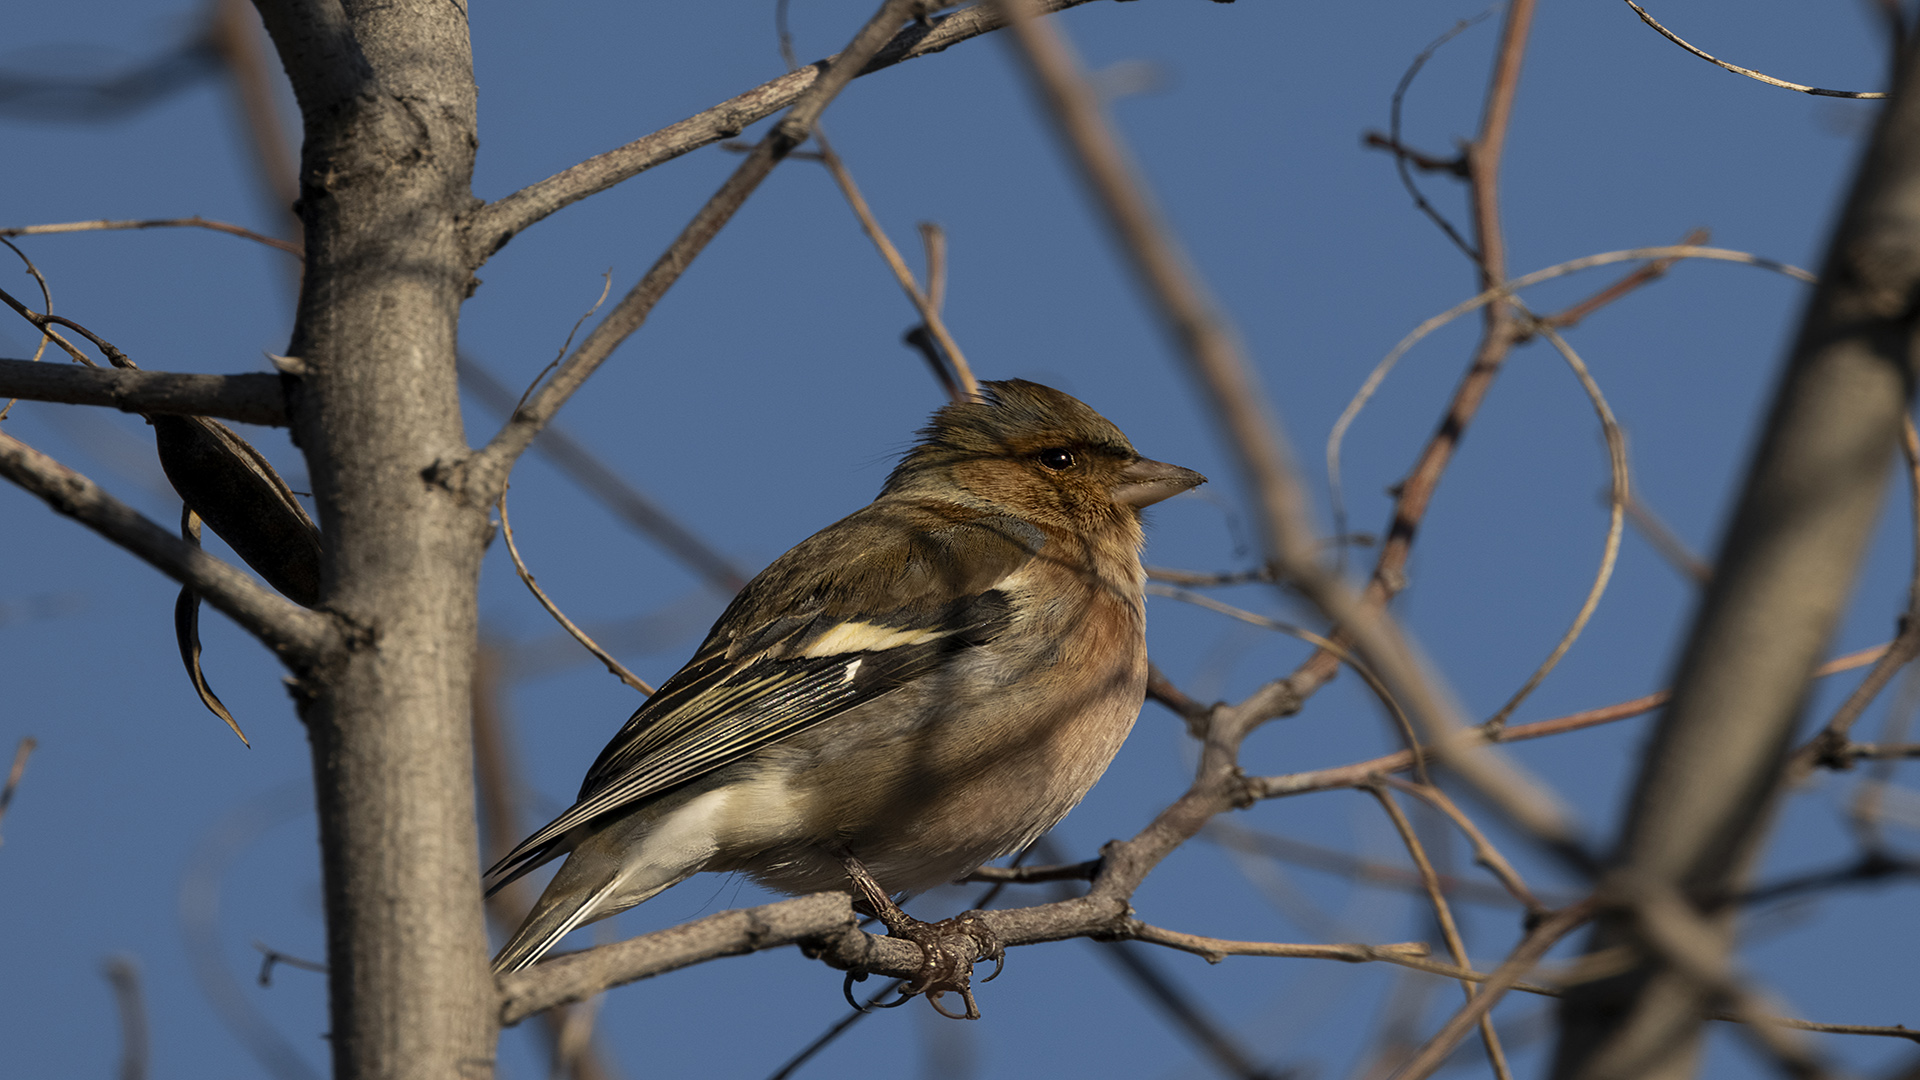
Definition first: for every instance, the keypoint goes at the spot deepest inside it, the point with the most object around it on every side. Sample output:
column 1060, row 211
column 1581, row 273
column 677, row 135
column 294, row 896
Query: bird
column 926, row 685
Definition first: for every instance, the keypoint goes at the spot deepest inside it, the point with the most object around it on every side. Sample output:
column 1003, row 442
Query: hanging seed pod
column 223, row 480
column 243, row 500
column 186, row 630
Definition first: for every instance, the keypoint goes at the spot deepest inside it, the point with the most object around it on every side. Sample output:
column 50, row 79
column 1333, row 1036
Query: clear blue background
column 768, row 395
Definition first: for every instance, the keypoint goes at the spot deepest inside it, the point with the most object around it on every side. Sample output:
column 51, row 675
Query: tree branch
column 300, row 636
column 1714, row 769
column 1214, row 357
column 486, row 471
column 490, row 227
column 252, row 398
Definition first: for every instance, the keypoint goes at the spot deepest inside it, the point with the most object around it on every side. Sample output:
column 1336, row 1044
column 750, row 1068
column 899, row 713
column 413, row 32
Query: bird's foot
column 948, row 948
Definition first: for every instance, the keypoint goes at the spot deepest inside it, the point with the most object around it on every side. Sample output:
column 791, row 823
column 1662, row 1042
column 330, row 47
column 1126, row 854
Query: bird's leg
column 949, row 947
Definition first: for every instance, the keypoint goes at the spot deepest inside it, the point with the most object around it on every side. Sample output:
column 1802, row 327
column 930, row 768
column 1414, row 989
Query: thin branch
column 613, row 491
column 300, row 636
column 1667, row 542
column 1346, row 776
column 1199, row 579
column 271, row 958
column 20, row 755
column 1484, row 852
column 1443, row 915
column 966, row 388
column 1402, row 157
column 194, row 222
column 618, row 669
column 496, row 223
column 486, row 471
column 1875, row 752
column 1748, row 72
column 1214, row 950
column 124, row 976
column 1416, row 490
column 46, row 298
column 1332, row 860
column 1618, row 494
column 1530, row 951
column 251, row 398
column 1571, row 316
column 43, row 323
column 1374, row 683
column 233, row 33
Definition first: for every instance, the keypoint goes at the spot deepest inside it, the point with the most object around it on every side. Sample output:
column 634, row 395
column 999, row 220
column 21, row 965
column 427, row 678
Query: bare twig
column 1443, row 915
column 43, row 323
column 124, row 975
column 1523, row 958
column 1569, row 317
column 271, row 958
column 1666, row 541
column 1618, row 494
column 1389, row 576
column 614, row 666
column 486, row 471
column 965, row 388
column 496, row 223
column 299, row 635
column 194, row 222
column 1484, row 852
column 1346, row 776
column 18, row 769
column 613, row 491
column 251, row 398
column 46, row 299
column 1361, row 871
column 1402, row 157
column 1748, row 72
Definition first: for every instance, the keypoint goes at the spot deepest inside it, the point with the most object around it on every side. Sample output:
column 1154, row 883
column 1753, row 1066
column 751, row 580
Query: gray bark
column 387, row 98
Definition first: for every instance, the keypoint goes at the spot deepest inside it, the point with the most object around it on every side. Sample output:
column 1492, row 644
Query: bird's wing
column 803, row 643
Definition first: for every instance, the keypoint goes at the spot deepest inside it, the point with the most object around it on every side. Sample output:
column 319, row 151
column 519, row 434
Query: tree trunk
column 387, row 96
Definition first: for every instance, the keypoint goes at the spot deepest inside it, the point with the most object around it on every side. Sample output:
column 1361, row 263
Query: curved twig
column 1618, row 494
column 1337, row 436
column 618, row 669
column 1748, row 72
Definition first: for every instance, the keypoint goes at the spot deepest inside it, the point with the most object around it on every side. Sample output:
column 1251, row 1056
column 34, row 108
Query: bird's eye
column 1058, row 458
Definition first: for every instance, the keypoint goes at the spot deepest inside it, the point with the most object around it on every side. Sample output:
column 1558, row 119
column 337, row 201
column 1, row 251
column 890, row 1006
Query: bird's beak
column 1146, row 482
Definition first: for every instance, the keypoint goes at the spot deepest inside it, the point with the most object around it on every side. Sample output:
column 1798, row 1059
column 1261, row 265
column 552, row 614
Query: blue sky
column 768, row 396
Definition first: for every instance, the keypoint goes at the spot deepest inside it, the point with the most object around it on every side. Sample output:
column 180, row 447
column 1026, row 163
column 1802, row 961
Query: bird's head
column 1034, row 452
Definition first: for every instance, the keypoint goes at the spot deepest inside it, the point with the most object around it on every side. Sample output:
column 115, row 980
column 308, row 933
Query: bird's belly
column 924, row 804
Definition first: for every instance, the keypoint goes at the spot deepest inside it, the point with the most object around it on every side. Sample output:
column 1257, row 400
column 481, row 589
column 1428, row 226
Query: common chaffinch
column 928, row 684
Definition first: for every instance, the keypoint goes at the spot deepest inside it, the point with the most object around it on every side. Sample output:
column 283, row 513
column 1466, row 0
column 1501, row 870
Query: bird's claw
column 949, row 949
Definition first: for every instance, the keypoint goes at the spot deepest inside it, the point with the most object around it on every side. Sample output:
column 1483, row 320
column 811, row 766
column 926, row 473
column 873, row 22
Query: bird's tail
column 553, row 918
column 609, row 872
